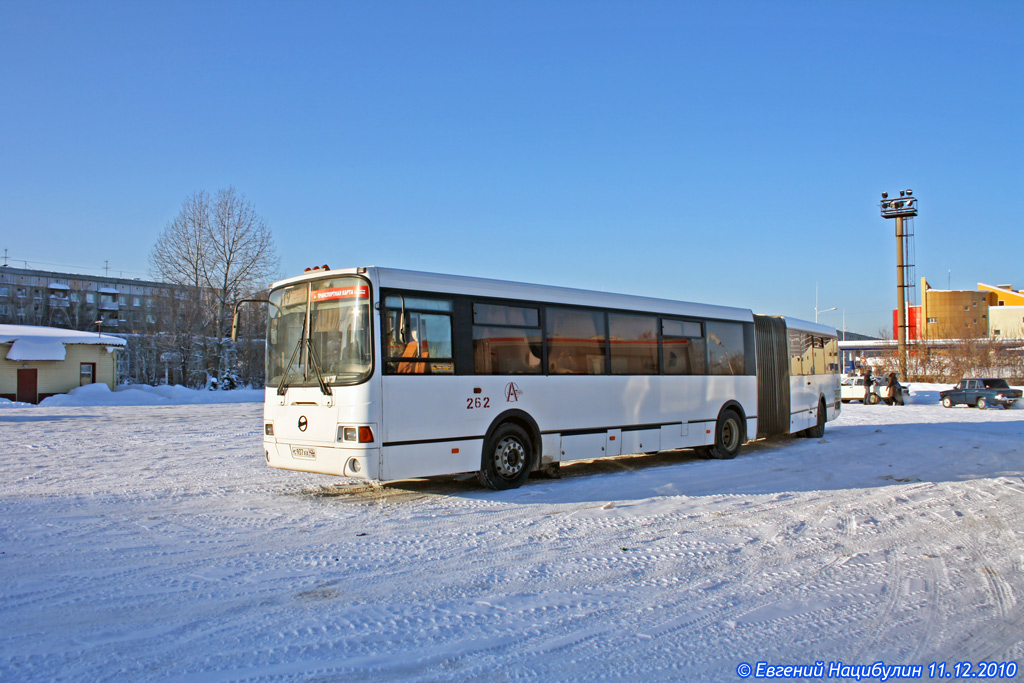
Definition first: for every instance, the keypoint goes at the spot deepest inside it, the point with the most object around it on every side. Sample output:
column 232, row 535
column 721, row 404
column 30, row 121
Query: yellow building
column 37, row 362
column 1006, row 316
column 991, row 311
column 954, row 314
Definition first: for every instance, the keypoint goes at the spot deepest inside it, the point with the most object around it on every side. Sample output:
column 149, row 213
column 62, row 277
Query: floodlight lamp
column 902, row 193
column 885, row 195
column 910, row 192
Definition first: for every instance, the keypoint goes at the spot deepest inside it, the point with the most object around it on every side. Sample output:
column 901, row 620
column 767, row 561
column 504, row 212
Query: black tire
column 728, row 436
column 818, row 430
column 947, row 402
column 507, row 458
column 982, row 403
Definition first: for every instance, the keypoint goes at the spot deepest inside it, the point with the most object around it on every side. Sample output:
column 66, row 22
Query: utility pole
column 904, row 207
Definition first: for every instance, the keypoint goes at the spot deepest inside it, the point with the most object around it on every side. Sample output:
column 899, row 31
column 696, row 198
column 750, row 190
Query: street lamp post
column 816, row 309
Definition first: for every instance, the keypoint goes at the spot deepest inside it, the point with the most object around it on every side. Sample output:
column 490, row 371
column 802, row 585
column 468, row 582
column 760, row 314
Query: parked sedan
column 981, row 392
column 852, row 389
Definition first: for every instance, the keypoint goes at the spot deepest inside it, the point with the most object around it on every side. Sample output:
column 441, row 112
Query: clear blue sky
column 727, row 152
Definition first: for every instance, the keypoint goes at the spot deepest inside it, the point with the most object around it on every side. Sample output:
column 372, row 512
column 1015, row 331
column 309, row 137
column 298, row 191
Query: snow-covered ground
column 151, row 542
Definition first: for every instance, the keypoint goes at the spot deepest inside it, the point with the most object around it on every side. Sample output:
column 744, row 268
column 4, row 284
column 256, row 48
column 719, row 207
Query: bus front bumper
column 360, row 463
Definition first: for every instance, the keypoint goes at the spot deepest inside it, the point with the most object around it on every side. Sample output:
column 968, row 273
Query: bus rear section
column 798, row 376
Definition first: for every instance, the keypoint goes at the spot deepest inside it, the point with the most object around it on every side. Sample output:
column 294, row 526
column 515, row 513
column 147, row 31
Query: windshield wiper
column 282, row 388
column 313, row 362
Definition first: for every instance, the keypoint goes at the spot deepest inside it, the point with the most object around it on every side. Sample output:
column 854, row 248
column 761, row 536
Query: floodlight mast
column 903, row 207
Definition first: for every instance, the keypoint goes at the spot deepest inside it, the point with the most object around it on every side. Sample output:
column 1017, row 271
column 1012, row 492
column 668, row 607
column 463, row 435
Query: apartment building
column 80, row 302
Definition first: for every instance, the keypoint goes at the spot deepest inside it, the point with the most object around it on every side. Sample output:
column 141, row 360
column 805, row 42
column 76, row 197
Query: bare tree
column 218, row 250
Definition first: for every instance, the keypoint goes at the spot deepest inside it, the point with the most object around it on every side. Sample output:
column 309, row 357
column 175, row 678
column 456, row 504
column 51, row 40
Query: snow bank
column 145, row 395
column 7, row 403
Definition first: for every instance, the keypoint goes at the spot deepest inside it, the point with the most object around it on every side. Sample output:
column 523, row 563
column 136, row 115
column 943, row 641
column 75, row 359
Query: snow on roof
column 31, row 343
column 57, row 285
column 108, row 290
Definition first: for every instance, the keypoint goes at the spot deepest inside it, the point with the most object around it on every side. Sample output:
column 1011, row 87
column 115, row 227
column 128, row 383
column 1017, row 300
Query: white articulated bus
column 387, row 374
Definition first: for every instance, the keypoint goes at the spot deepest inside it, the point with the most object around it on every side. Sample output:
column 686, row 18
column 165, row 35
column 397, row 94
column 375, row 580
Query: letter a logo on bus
column 512, row 392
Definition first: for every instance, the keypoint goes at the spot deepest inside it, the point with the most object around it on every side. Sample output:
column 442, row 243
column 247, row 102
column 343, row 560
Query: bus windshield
column 318, row 334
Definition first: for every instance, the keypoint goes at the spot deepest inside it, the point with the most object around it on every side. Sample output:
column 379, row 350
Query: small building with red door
column 36, row 362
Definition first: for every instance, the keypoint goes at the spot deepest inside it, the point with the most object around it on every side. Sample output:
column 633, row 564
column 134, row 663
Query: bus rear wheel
column 818, row 430
column 728, row 436
column 507, row 458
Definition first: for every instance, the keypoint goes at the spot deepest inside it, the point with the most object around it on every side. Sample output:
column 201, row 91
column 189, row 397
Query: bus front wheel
column 507, row 458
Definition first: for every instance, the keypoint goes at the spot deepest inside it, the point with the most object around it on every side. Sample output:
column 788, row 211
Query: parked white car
column 852, row 389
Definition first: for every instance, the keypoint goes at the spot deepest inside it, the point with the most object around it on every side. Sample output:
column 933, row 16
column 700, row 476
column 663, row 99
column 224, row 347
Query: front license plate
column 304, row 452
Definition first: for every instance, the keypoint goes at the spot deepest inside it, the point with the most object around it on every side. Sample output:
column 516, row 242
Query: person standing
column 867, row 385
column 889, row 395
column 895, row 391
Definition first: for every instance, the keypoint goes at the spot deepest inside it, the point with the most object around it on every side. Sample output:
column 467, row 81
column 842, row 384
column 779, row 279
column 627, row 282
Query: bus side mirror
column 234, row 317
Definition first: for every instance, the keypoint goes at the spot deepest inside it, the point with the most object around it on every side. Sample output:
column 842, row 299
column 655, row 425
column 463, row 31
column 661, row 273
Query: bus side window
column 633, row 344
column 831, row 355
column 506, row 339
column 819, row 355
column 726, row 348
column 395, row 345
column 577, row 341
column 683, row 349
column 506, row 351
column 410, row 350
column 418, row 336
column 800, row 353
